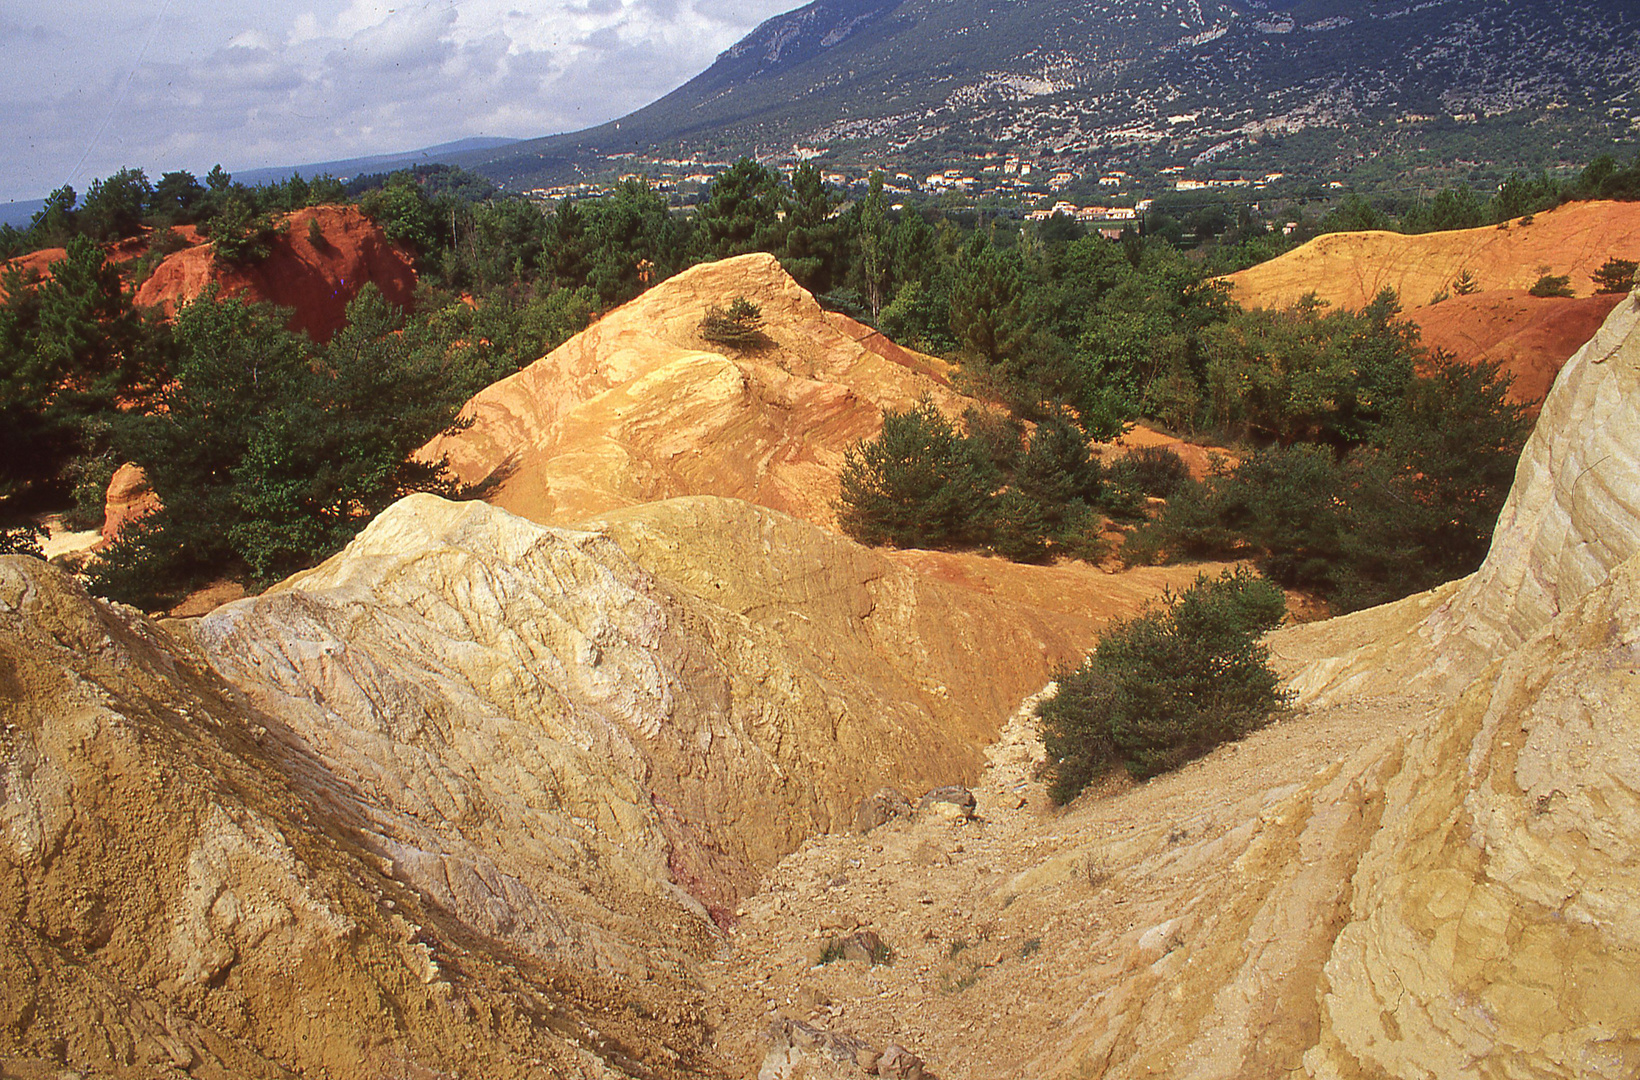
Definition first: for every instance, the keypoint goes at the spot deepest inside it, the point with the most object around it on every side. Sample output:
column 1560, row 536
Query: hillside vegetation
column 1073, row 334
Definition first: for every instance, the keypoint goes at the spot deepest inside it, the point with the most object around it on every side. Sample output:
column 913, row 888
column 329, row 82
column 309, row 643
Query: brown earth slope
column 637, row 407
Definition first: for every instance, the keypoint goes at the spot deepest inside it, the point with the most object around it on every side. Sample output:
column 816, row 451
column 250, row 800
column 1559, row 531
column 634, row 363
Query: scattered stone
column 880, row 807
column 866, row 947
column 954, row 802
column 862, row 945
column 898, row 1063
column 797, row 1049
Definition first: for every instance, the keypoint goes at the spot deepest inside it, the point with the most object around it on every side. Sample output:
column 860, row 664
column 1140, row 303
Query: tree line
column 1071, row 335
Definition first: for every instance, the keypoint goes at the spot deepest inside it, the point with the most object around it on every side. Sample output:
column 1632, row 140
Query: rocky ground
column 1005, row 924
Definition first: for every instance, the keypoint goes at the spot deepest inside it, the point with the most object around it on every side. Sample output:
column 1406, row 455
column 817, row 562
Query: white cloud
column 281, row 83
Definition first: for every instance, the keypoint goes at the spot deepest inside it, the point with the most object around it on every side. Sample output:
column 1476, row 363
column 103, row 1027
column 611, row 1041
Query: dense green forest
column 268, row 450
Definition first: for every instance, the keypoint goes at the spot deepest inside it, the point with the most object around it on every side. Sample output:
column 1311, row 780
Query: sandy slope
column 1530, row 337
column 1348, row 269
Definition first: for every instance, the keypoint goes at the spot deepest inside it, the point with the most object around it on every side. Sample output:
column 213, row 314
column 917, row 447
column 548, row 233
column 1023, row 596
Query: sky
column 91, row 86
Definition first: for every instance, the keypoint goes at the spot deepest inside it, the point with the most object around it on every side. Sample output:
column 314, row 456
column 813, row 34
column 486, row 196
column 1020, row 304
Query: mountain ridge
column 1186, row 83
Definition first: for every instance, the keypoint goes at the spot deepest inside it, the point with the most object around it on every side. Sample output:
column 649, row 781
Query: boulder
column 953, row 802
column 880, row 807
column 799, row 1051
column 898, row 1063
column 865, row 947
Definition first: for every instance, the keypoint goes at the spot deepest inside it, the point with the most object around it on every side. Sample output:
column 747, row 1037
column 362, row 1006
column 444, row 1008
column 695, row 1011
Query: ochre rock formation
column 874, row 341
column 183, row 887
column 1483, row 916
column 129, row 498
column 1571, row 517
column 637, row 407
column 36, row 264
column 315, row 280
column 1348, row 269
column 488, row 796
column 1530, row 337
column 474, row 795
column 704, row 681
column 1428, row 870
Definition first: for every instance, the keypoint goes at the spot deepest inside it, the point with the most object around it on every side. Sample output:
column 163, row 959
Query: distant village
column 1006, row 184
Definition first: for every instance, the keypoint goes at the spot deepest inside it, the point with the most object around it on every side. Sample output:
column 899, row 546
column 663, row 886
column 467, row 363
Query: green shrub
column 1149, row 470
column 1410, row 509
column 1616, row 276
column 1308, row 374
column 1167, row 686
column 741, row 323
column 1552, row 285
column 239, row 234
column 23, row 539
column 918, row 484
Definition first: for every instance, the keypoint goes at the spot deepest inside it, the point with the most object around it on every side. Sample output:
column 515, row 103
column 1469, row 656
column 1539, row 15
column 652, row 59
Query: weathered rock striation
column 184, row 887
column 638, row 407
column 488, row 796
column 670, row 710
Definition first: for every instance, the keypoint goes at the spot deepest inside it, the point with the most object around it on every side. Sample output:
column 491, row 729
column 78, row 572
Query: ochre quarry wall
column 638, row 407
column 315, row 279
column 1459, row 896
column 1348, row 269
column 476, row 795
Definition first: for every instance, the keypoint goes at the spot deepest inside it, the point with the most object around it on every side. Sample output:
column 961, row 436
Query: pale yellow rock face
column 1495, row 929
column 1573, row 514
column 1489, row 872
column 520, row 702
column 638, row 407
column 471, row 766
